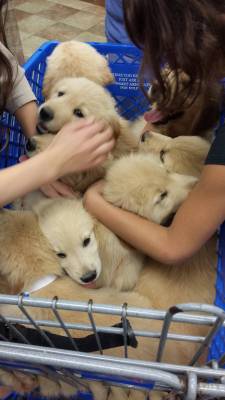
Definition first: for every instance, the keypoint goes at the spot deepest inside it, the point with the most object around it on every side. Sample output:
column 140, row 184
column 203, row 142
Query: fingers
column 104, row 148
column 49, row 191
column 98, row 161
column 58, row 189
column 63, row 189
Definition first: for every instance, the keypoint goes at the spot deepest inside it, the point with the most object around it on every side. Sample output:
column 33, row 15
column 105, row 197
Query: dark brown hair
column 186, row 34
column 6, row 71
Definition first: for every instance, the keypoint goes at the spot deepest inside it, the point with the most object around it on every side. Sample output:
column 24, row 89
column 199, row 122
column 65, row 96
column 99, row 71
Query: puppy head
column 75, row 59
column 145, row 187
column 70, row 232
column 75, row 98
column 185, row 113
column 183, row 154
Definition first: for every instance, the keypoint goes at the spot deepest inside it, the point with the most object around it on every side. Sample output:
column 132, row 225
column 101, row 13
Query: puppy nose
column 46, row 114
column 89, row 276
column 31, row 145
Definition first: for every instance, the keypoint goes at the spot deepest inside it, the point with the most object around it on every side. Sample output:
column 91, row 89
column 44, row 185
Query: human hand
column 80, row 146
column 58, row 189
column 93, row 196
column 54, row 189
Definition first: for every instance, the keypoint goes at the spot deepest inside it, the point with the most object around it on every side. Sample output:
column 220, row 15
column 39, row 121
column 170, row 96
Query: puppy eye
column 145, row 136
column 61, row 94
column 78, row 113
column 162, row 156
column 163, row 195
column 86, row 242
column 61, row 255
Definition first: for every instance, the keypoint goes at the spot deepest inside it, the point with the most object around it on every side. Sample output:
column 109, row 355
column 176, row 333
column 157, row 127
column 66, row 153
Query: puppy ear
column 48, row 84
column 40, row 206
column 116, row 124
column 107, row 76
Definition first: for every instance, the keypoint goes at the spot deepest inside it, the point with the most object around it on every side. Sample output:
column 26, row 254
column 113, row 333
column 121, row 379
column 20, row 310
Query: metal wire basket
column 76, row 367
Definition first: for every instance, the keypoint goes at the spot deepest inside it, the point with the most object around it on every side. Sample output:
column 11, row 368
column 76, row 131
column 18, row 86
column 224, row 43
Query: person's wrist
column 92, row 200
column 50, row 164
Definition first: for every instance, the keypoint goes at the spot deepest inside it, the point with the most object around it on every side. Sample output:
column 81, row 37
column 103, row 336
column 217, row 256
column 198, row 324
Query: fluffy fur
column 196, row 117
column 30, row 244
column 146, row 187
column 117, row 260
column 91, row 100
column 192, row 280
column 75, row 59
column 183, row 154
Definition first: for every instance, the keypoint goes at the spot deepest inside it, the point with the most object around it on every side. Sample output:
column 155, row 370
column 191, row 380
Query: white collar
column 41, row 283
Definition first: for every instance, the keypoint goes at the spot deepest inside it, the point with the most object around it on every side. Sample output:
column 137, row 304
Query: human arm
column 26, row 115
column 195, row 222
column 78, row 146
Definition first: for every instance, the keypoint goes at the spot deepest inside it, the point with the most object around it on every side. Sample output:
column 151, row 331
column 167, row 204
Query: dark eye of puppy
column 162, row 156
column 78, row 113
column 145, row 136
column 61, row 94
column 61, row 255
column 86, row 242
column 163, row 195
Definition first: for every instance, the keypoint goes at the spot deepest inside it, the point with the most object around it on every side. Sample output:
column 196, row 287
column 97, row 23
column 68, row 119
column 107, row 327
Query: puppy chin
column 90, row 285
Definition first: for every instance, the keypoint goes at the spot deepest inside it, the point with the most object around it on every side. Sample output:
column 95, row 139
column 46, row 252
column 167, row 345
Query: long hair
column 186, row 34
column 6, row 70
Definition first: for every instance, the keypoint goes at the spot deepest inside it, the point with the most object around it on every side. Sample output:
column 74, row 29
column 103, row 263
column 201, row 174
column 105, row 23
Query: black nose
column 46, row 114
column 89, row 277
column 31, row 145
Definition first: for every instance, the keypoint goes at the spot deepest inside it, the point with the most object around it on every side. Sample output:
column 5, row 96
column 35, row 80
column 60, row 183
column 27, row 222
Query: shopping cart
column 75, row 366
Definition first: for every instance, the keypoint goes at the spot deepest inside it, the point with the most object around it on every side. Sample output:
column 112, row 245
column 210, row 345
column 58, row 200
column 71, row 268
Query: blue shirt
column 114, row 23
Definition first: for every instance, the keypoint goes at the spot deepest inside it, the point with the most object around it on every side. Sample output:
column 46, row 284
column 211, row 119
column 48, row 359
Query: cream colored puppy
column 183, row 154
column 139, row 183
column 75, row 59
column 75, row 98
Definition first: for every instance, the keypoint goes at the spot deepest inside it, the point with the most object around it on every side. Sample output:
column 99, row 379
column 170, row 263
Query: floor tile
column 97, row 2
column 30, row 44
column 77, row 4
column 17, row 2
column 83, row 20
column 60, row 32
column 90, row 37
column 34, row 24
column 94, row 9
column 34, row 6
column 19, row 14
column 98, row 29
column 24, row 35
column 58, row 12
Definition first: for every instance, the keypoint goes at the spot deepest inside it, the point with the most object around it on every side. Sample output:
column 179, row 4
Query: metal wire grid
column 70, row 366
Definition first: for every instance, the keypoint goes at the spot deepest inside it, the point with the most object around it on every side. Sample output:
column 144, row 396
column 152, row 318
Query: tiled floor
column 42, row 20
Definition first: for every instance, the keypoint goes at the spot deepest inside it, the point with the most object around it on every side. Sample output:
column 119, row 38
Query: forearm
column 22, row 178
column 144, row 235
column 195, row 222
column 27, row 117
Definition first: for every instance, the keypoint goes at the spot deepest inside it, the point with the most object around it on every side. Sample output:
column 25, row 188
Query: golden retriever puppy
column 75, row 59
column 74, row 98
column 196, row 116
column 139, row 183
column 158, row 210
column 79, row 245
column 183, row 154
column 194, row 279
